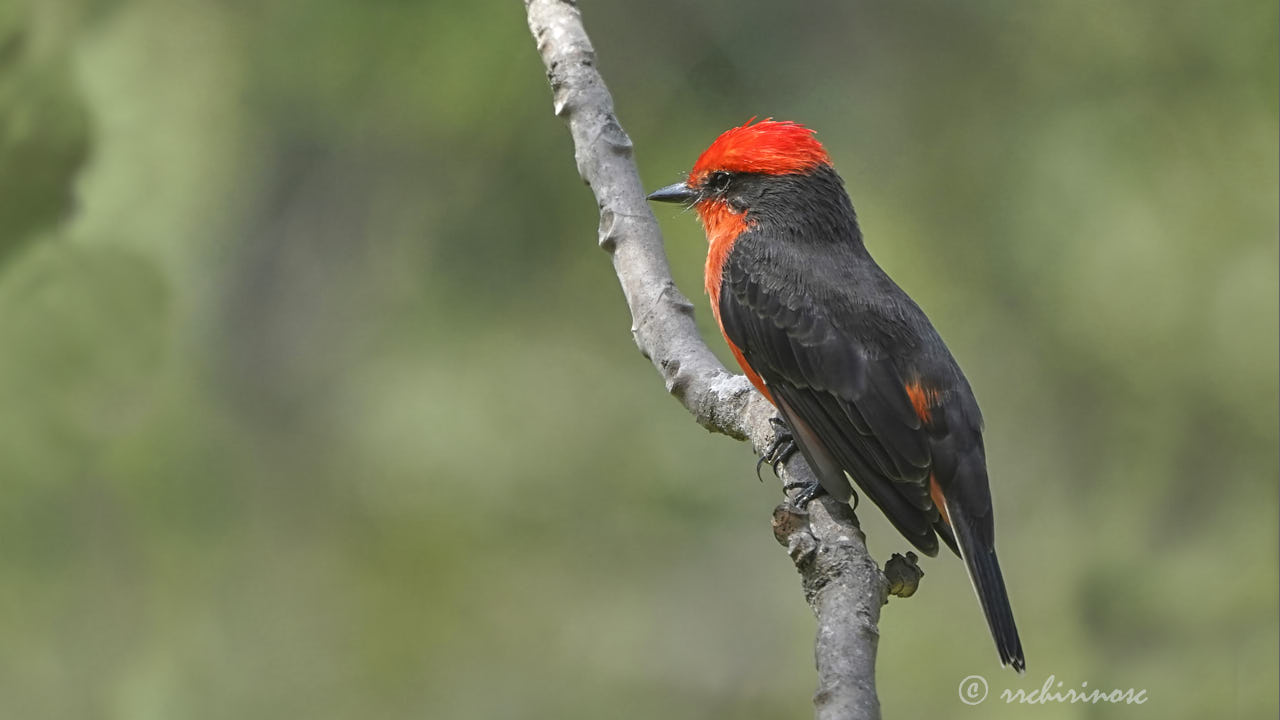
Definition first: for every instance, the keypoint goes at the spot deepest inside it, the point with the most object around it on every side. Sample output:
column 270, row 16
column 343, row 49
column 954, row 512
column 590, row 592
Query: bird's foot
column 809, row 489
column 782, row 447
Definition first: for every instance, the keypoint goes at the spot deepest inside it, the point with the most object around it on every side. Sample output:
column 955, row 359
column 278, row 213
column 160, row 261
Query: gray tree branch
column 842, row 583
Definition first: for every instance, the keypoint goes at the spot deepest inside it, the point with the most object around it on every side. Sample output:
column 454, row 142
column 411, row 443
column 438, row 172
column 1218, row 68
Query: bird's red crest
column 771, row 147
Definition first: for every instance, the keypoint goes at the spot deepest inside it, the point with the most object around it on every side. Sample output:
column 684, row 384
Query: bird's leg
column 782, row 447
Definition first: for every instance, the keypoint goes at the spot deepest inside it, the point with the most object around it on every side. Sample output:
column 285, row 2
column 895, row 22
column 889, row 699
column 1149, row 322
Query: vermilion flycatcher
column 865, row 384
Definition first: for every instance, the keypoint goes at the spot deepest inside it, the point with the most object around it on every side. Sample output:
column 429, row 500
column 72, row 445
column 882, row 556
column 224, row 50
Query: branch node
column 801, row 548
column 608, row 229
column 788, row 520
column 903, row 574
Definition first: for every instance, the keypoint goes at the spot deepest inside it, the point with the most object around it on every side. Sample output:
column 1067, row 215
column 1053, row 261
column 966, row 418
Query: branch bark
column 843, row 585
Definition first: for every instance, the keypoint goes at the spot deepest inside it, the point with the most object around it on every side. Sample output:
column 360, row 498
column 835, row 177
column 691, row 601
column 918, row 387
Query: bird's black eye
column 717, row 182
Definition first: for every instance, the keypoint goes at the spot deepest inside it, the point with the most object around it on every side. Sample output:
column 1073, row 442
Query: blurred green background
column 318, row 400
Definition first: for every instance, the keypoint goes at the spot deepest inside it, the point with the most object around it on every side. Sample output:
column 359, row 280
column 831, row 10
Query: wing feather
column 848, row 393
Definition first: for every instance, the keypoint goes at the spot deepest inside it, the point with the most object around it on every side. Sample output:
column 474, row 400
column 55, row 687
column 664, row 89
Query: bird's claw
column 809, row 489
column 782, row 447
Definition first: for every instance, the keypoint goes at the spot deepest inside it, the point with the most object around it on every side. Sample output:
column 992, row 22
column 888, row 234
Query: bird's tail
column 984, row 572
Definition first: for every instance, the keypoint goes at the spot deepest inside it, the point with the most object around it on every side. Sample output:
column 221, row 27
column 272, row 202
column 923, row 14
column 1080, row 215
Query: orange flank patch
column 751, row 374
column 922, row 399
column 935, row 492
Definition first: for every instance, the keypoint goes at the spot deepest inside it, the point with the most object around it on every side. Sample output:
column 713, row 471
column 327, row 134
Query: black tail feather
column 988, row 583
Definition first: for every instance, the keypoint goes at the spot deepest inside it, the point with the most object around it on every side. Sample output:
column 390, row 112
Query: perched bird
column 864, row 383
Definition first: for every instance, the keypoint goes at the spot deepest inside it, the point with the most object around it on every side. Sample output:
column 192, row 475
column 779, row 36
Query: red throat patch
column 723, row 226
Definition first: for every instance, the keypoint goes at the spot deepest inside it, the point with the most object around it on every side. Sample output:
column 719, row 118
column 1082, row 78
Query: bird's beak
column 676, row 193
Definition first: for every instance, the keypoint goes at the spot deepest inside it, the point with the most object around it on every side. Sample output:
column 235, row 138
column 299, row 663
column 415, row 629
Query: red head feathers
column 770, row 147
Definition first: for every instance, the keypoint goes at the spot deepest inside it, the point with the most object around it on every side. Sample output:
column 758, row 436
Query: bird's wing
column 846, row 401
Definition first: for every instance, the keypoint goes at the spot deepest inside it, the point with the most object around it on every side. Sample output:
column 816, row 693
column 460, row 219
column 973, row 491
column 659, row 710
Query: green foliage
column 317, row 399
column 44, row 134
